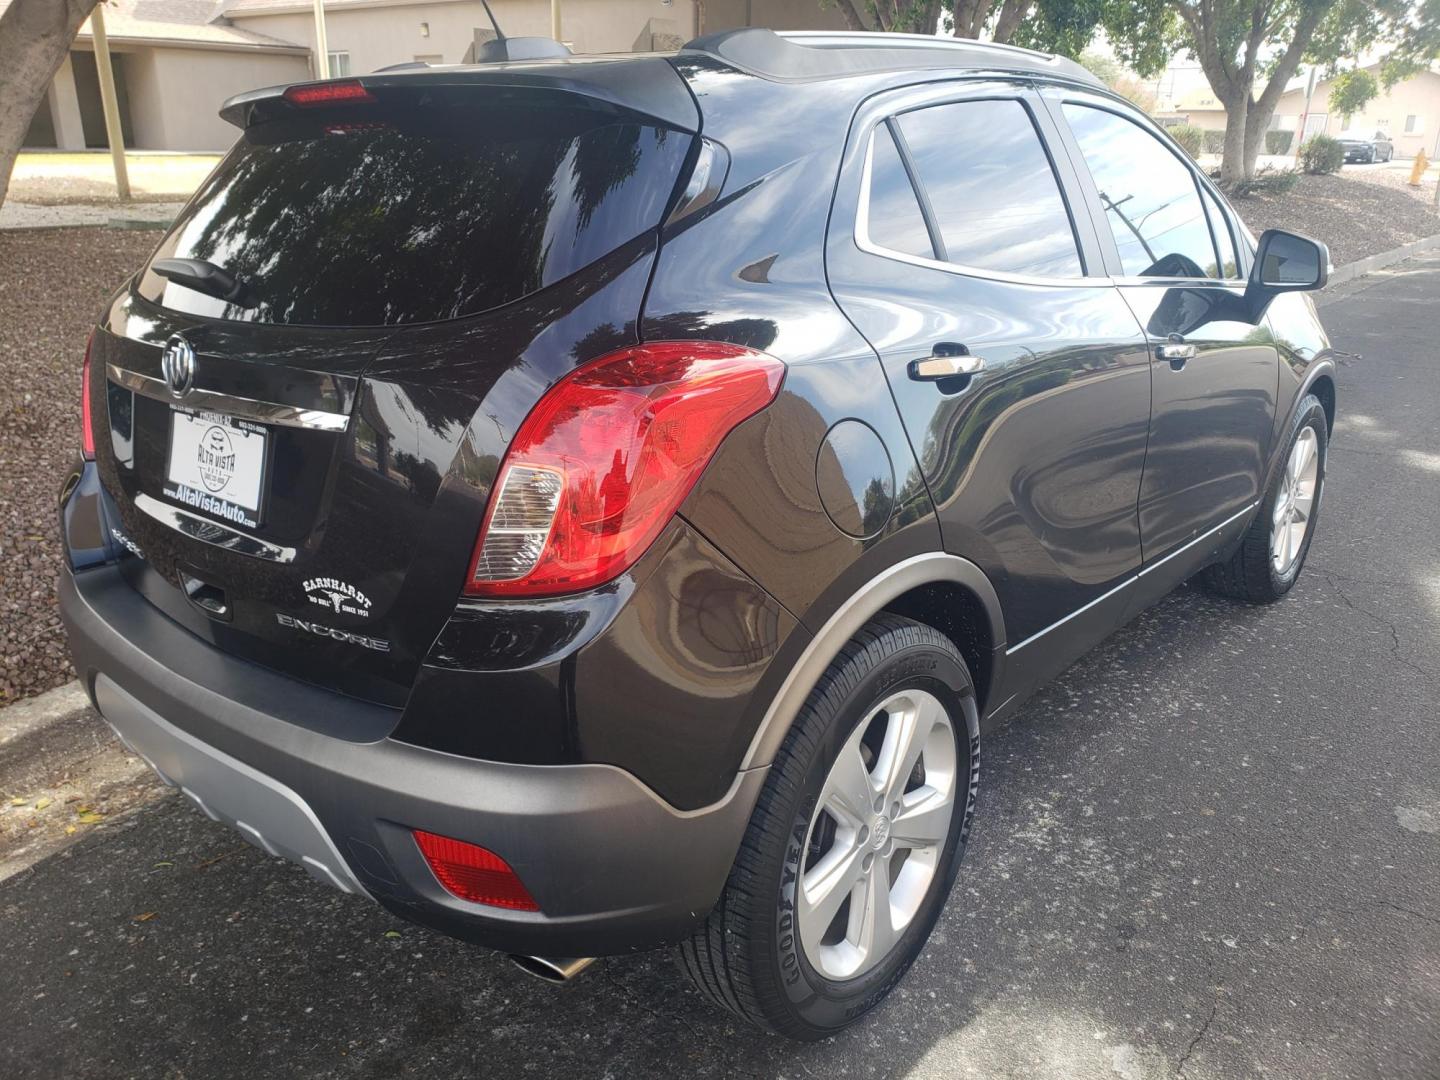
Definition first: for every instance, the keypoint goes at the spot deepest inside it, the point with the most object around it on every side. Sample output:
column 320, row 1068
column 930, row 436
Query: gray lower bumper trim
column 266, row 812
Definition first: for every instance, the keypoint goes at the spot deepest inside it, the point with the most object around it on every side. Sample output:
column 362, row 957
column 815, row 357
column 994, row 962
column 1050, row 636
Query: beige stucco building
column 1408, row 113
column 176, row 61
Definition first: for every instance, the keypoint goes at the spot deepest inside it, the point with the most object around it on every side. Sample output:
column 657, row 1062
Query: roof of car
column 797, row 55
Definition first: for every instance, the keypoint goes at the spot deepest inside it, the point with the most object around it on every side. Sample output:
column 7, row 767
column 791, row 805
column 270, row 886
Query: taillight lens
column 474, row 873
column 87, row 431
column 329, row 93
column 606, row 458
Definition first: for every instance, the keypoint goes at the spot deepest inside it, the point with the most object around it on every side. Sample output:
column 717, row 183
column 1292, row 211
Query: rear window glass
column 417, row 211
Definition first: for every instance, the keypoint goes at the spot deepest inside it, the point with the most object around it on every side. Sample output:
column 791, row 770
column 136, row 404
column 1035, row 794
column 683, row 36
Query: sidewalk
column 57, row 189
column 62, row 772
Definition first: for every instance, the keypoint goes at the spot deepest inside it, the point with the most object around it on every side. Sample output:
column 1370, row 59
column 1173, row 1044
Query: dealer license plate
column 217, row 465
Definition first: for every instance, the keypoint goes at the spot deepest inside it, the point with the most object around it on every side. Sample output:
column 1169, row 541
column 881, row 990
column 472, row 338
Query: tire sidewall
column 1312, row 415
column 819, row 1003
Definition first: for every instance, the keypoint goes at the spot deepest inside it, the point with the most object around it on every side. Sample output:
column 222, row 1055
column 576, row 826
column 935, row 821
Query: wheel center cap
column 880, row 832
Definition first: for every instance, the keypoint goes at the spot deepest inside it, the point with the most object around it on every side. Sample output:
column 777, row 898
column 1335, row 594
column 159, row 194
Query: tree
column 1250, row 49
column 1118, row 78
column 963, row 18
column 1351, row 91
column 35, row 35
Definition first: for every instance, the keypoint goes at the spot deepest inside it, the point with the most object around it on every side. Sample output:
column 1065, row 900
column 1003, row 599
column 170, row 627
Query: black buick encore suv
column 589, row 505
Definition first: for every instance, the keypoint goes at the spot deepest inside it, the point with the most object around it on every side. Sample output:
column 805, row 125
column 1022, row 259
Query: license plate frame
column 218, row 465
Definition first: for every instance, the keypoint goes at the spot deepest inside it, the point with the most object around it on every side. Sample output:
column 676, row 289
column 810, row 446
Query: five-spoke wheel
column 1291, row 517
column 876, row 837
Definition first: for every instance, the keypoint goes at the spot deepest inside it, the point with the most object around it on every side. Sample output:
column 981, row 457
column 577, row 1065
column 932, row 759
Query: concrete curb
column 32, row 714
column 1361, row 267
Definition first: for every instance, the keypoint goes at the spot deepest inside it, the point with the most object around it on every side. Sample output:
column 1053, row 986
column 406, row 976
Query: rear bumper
column 299, row 771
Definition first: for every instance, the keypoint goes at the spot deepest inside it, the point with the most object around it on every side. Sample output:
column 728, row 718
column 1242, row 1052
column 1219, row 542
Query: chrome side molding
column 261, row 412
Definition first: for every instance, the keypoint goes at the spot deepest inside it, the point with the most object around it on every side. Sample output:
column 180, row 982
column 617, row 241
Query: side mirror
column 1285, row 262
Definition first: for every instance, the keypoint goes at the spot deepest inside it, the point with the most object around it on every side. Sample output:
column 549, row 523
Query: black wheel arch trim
column 1324, row 367
column 859, row 608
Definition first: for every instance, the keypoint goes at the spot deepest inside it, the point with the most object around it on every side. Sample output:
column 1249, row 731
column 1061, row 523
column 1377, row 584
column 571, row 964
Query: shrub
column 1267, row 181
column 1214, row 142
column 1278, row 142
column 1321, row 154
column 1190, row 138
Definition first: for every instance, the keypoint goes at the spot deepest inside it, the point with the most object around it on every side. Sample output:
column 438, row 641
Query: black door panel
column 1211, row 420
column 1033, row 457
column 1215, row 372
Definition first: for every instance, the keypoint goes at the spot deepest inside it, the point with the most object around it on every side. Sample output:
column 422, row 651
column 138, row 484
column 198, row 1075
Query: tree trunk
column 1232, row 164
column 853, row 19
column 970, row 16
column 1012, row 13
column 35, row 35
column 1261, row 109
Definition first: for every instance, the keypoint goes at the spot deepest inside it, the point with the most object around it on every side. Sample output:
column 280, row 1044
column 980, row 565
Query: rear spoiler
column 648, row 87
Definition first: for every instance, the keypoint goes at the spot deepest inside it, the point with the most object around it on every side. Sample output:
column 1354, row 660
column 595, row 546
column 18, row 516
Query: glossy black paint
column 1034, row 463
column 1074, row 501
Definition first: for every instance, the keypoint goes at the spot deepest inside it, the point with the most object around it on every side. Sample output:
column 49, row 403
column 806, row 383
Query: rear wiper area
column 205, row 277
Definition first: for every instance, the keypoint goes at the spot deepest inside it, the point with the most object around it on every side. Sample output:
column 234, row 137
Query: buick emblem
column 177, row 363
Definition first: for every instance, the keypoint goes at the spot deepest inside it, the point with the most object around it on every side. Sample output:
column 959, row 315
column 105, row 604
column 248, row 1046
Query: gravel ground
column 1396, row 175
column 52, row 283
column 1357, row 218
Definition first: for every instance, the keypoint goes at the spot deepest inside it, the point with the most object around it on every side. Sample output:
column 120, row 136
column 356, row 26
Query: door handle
column 1177, row 350
column 946, row 361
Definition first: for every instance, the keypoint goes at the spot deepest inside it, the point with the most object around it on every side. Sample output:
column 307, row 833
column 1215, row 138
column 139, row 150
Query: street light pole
column 555, row 19
column 322, row 46
column 109, row 102
column 1305, row 114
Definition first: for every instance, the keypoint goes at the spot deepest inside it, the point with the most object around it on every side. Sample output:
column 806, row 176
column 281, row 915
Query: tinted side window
column 1150, row 198
column 895, row 218
column 1224, row 238
column 995, row 197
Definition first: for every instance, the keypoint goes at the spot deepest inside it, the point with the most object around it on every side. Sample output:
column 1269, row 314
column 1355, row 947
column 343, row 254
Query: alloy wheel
column 1296, row 504
column 876, row 838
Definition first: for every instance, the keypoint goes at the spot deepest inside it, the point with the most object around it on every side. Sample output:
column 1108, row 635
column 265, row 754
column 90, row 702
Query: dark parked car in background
column 589, row 506
column 1360, row 149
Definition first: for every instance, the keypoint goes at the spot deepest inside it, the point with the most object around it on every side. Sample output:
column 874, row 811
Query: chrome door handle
column 1175, row 351
column 938, row 366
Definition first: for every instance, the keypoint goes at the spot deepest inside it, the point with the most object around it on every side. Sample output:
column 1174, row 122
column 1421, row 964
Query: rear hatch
column 302, row 462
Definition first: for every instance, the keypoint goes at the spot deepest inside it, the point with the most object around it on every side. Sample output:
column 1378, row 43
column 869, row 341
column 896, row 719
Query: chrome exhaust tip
column 552, row 969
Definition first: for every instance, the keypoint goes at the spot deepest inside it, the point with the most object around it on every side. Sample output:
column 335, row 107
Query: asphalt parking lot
column 1211, row 849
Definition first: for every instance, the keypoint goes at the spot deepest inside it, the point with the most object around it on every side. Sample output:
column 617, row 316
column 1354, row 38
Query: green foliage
column 1351, row 91
column 1278, row 142
column 1267, row 181
column 1321, row 154
column 1190, row 138
column 1144, row 34
column 1102, row 66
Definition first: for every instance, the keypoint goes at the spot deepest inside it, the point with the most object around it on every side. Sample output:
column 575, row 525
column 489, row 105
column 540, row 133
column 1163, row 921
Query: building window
column 339, row 64
column 1412, row 125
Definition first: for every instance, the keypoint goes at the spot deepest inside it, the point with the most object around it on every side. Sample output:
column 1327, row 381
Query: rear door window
column 1149, row 196
column 991, row 187
column 896, row 221
column 443, row 204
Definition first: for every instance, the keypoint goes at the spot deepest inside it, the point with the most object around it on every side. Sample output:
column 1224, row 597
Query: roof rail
column 815, row 54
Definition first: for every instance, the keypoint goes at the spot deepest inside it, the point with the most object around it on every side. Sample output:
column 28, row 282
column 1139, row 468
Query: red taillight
column 606, row 458
column 328, row 93
column 474, row 874
column 87, row 432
